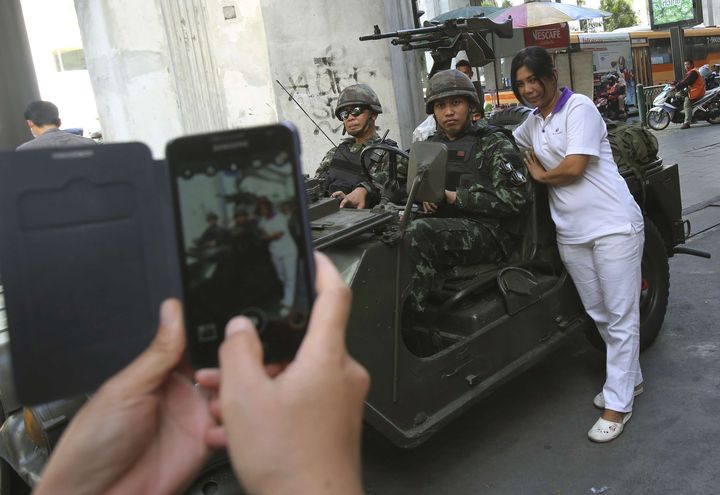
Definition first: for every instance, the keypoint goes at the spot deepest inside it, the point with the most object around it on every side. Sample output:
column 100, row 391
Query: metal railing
column 651, row 92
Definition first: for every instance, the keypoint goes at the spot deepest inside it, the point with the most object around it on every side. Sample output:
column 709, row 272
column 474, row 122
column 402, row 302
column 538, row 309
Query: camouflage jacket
column 498, row 202
column 378, row 171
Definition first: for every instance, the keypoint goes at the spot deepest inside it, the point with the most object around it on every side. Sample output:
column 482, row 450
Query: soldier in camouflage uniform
column 340, row 171
column 479, row 220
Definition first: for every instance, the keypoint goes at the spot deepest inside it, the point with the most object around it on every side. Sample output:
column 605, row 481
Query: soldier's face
column 452, row 114
column 357, row 124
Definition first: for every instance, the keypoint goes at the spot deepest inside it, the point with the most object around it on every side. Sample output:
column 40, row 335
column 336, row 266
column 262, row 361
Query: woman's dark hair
column 262, row 202
column 538, row 61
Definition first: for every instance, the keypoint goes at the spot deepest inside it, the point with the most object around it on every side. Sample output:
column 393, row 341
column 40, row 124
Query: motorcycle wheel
column 654, row 290
column 658, row 119
column 715, row 107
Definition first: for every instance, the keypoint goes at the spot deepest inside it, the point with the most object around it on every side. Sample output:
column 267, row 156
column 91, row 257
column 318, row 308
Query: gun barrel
column 404, row 33
column 378, row 36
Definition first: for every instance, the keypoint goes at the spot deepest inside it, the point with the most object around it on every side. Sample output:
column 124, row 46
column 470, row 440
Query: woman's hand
column 568, row 171
column 142, row 432
column 535, row 168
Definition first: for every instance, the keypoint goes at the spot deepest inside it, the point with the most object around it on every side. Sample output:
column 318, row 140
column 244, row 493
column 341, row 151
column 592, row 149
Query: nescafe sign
column 550, row 36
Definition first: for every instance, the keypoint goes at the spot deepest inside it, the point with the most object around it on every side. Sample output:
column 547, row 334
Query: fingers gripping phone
column 243, row 238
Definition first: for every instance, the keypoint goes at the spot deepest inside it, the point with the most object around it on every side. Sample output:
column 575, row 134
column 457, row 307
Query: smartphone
column 243, row 238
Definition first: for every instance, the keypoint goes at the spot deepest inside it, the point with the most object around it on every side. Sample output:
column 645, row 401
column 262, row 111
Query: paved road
column 529, row 438
column 697, row 151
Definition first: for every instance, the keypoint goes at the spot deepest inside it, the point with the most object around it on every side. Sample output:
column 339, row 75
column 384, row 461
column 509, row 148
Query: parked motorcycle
column 668, row 107
column 712, row 80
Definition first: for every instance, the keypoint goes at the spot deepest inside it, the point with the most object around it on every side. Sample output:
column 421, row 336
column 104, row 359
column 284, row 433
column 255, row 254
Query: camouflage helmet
column 358, row 94
column 450, row 82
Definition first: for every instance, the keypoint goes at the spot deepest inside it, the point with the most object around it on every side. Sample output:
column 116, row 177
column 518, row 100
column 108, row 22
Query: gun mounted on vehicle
column 444, row 40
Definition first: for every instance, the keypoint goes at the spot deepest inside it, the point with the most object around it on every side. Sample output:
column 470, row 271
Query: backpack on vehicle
column 634, row 149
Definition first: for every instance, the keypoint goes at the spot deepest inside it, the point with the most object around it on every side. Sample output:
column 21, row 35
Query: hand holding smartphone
column 243, row 238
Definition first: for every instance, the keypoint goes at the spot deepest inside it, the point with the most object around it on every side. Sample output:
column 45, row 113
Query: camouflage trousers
column 436, row 244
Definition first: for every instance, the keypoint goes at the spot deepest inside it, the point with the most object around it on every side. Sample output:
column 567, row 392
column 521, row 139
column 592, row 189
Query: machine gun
column 444, row 40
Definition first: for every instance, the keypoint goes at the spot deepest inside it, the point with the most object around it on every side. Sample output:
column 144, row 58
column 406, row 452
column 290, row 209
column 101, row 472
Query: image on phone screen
column 243, row 250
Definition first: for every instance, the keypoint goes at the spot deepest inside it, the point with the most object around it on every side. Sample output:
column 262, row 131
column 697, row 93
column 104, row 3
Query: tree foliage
column 621, row 14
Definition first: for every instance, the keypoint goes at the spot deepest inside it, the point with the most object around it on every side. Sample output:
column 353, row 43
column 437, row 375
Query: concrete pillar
column 238, row 47
column 166, row 68
column 162, row 68
column 18, row 85
column 129, row 61
column 408, row 72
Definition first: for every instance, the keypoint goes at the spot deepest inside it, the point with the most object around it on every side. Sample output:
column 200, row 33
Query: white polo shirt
column 599, row 203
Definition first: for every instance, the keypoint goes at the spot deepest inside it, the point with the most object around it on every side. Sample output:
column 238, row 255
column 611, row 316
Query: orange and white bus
column 652, row 57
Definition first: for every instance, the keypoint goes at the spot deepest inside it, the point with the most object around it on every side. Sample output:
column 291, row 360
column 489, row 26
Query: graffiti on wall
column 319, row 87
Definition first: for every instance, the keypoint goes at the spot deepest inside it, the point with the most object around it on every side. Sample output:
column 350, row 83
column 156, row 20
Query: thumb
column 150, row 369
column 343, row 202
column 241, row 358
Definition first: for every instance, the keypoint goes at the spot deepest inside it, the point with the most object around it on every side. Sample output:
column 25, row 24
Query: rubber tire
column 10, row 482
column 654, row 301
column 715, row 105
column 509, row 116
column 663, row 122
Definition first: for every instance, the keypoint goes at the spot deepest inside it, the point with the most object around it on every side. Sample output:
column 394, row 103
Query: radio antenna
column 306, row 114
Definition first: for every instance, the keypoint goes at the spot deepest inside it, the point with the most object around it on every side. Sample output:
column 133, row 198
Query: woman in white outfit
column 283, row 251
column 600, row 231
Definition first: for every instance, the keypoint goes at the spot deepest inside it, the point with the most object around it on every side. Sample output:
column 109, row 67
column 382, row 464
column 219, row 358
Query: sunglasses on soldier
column 354, row 111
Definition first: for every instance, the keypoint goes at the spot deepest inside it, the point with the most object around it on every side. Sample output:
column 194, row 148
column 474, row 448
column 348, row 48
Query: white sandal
column 605, row 431
column 599, row 399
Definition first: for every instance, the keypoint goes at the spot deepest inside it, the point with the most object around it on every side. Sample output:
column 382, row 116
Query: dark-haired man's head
column 534, row 78
column 689, row 64
column 41, row 116
column 464, row 67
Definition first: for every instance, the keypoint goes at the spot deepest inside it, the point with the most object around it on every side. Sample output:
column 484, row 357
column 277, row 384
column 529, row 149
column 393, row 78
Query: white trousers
column 607, row 275
column 286, row 269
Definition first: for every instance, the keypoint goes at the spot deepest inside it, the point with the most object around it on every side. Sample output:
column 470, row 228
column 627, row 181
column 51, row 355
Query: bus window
column 660, row 51
column 696, row 48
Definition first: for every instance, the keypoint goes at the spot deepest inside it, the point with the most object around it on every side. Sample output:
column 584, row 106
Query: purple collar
column 565, row 95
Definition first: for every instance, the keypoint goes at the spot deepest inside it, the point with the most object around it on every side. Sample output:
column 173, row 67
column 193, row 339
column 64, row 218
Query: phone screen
column 243, row 238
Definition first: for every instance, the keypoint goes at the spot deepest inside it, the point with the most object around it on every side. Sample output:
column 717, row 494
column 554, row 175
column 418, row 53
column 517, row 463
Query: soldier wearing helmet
column 341, row 172
column 479, row 220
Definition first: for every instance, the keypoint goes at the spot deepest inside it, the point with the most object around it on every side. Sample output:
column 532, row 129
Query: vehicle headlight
column 45, row 423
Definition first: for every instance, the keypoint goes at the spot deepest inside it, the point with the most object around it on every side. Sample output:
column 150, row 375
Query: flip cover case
column 87, row 254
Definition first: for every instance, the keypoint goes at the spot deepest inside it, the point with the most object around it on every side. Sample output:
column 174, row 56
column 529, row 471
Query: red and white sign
column 550, row 36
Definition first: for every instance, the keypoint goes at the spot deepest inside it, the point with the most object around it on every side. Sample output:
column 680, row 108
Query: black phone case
column 87, row 247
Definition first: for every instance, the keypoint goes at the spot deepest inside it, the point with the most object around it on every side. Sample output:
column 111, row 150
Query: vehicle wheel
column 654, row 290
column 509, row 116
column 658, row 119
column 715, row 107
column 10, row 482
